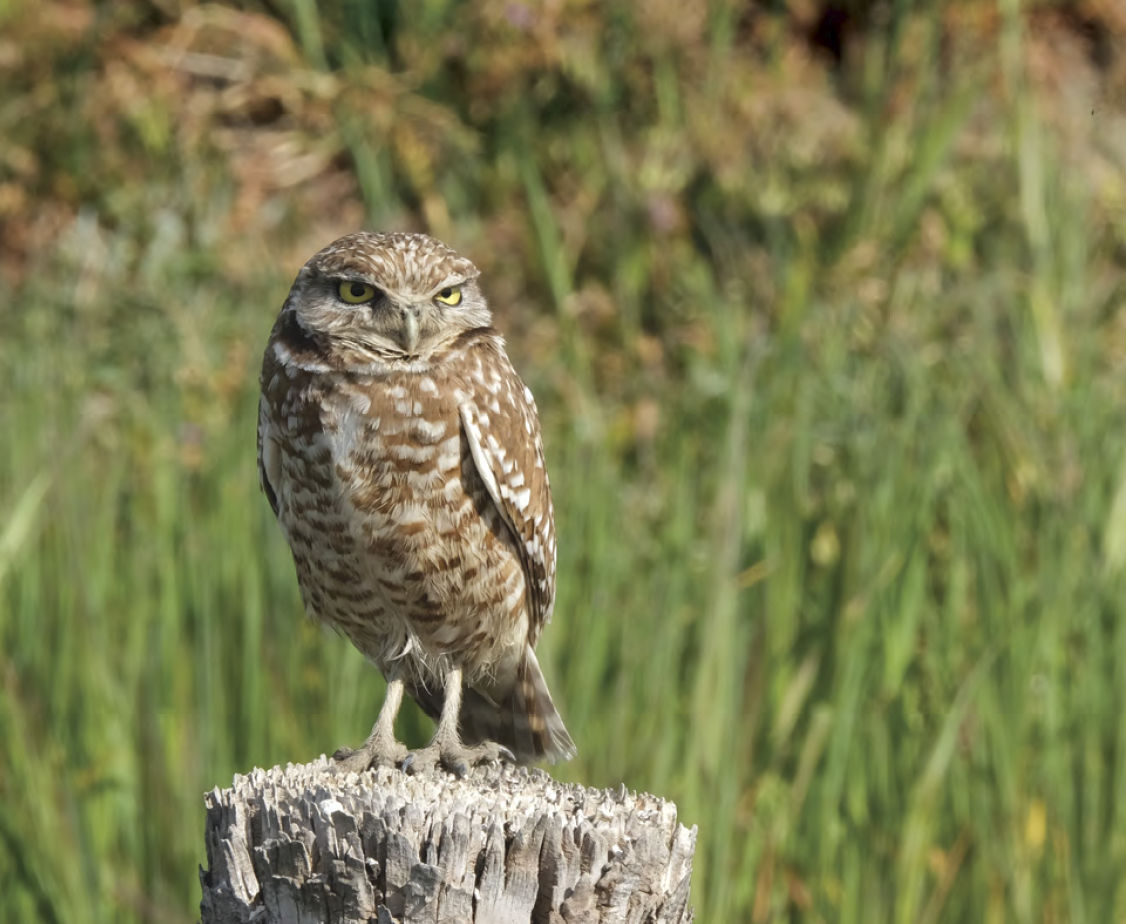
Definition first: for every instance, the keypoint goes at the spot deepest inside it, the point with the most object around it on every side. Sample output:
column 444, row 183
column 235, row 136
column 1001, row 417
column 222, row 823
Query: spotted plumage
column 402, row 456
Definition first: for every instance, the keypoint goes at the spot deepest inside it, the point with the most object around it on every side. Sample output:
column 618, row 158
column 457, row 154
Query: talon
column 422, row 761
column 375, row 753
column 350, row 761
column 454, row 757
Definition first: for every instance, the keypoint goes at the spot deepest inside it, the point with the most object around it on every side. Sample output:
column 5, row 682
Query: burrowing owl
column 402, row 456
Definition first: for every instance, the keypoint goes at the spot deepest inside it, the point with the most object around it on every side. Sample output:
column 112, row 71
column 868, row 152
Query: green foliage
column 830, row 361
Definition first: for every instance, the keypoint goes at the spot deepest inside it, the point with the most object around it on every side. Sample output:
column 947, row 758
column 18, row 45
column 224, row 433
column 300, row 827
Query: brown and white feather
column 412, row 487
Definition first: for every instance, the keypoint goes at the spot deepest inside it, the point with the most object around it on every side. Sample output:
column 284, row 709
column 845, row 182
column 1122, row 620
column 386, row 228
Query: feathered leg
column 445, row 748
column 381, row 749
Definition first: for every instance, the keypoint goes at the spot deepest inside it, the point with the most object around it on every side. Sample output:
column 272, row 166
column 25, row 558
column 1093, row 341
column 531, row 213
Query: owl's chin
column 381, row 361
column 379, row 354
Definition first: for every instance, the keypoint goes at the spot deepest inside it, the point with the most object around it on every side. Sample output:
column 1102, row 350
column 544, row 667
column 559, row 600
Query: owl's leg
column 381, row 749
column 445, row 748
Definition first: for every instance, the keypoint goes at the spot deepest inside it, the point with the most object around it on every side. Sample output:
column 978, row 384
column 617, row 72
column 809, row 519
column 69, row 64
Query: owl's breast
column 402, row 541
column 396, row 445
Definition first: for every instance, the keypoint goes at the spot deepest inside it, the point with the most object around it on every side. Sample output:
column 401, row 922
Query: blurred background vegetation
column 823, row 307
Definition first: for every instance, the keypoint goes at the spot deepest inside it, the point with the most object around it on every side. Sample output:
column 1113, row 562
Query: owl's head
column 388, row 296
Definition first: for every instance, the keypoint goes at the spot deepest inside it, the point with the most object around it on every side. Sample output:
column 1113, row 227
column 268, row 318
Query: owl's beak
column 410, row 327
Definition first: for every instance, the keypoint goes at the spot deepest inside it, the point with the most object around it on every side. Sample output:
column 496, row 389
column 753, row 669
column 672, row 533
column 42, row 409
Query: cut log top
column 303, row 844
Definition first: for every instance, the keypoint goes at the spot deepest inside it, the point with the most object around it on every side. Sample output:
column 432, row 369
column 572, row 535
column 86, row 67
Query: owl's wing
column 268, row 461
column 503, row 432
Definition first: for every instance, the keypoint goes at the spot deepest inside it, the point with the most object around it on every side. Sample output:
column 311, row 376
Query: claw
column 456, row 758
column 373, row 754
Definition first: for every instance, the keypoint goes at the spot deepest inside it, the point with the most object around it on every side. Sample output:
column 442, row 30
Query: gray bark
column 303, row 844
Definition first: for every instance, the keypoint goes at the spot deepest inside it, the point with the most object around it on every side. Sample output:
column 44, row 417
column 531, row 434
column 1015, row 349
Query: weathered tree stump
column 506, row 845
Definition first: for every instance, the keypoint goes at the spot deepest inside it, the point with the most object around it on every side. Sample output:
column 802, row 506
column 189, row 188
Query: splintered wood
column 303, row 844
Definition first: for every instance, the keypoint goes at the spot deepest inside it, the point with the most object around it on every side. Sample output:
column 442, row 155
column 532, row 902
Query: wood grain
column 303, row 844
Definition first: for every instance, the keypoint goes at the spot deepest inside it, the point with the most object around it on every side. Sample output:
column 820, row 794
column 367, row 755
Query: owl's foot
column 375, row 752
column 455, row 757
column 381, row 749
column 446, row 749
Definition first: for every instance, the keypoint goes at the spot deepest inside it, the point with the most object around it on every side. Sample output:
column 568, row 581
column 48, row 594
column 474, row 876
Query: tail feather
column 524, row 720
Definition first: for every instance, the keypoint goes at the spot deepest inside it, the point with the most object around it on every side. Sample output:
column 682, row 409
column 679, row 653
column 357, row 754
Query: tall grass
column 834, row 423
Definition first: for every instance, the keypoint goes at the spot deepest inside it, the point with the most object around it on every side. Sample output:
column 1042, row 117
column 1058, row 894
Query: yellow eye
column 356, row 293
column 450, row 295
